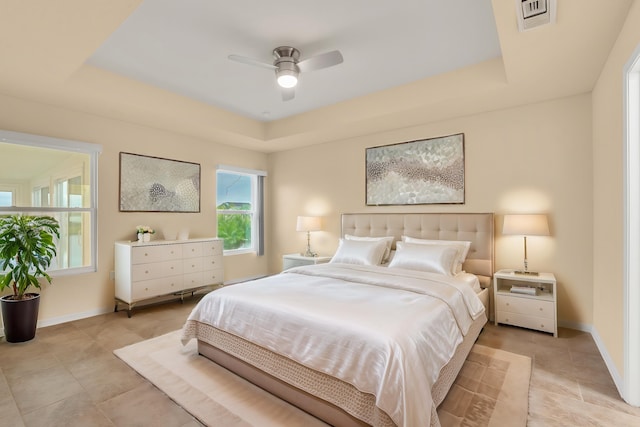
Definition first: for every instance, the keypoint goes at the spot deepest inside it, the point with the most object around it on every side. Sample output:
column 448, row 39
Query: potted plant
column 27, row 248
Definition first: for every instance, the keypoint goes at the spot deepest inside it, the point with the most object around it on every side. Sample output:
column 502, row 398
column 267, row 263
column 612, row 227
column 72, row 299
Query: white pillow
column 462, row 248
column 388, row 241
column 430, row 258
column 360, row 252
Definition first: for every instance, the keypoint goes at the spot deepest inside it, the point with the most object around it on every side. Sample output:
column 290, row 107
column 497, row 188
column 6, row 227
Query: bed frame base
column 319, row 408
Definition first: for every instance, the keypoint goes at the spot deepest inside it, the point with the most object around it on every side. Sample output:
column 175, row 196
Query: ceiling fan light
column 287, row 78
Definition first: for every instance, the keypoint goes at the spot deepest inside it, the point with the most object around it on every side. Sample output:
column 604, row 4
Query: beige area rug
column 491, row 390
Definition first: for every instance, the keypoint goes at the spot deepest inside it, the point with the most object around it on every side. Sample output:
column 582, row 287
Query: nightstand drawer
column 531, row 322
column 525, row 306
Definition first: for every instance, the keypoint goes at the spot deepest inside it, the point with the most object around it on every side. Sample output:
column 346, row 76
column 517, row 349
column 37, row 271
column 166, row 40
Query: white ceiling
column 162, row 64
column 183, row 47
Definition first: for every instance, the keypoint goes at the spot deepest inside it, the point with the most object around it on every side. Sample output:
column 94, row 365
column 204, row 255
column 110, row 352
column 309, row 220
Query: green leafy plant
column 234, row 229
column 27, row 248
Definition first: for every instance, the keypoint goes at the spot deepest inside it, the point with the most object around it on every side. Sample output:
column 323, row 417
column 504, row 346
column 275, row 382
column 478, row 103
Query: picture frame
column 425, row 171
column 155, row 184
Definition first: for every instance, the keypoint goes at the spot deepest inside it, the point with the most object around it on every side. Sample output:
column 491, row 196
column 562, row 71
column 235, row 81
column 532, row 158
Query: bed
column 345, row 341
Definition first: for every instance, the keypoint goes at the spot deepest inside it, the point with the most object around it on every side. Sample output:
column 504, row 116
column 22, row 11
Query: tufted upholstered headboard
column 474, row 227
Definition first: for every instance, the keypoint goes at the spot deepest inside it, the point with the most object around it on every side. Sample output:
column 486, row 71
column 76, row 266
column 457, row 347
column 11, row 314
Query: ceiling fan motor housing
column 286, row 52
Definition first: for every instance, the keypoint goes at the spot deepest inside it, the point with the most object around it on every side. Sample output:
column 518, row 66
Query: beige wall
column 535, row 158
column 87, row 294
column 608, row 192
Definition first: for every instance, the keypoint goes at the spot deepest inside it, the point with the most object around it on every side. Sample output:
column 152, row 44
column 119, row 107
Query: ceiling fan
column 288, row 66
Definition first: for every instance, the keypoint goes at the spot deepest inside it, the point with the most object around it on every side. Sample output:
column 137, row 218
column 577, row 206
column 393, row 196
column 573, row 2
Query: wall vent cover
column 535, row 13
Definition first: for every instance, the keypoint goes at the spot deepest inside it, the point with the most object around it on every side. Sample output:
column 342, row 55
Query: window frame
column 256, row 212
column 630, row 388
column 93, row 151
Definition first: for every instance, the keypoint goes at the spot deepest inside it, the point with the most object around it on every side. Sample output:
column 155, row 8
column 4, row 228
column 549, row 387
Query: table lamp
column 308, row 224
column 526, row 225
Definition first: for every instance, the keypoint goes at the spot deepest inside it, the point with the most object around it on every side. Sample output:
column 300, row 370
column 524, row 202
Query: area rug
column 491, row 390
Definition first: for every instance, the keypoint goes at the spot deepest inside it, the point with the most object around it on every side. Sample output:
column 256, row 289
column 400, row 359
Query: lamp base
column 526, row 273
column 309, row 254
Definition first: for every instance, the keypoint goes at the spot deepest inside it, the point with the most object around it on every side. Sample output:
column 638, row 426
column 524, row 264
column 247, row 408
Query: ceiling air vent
column 535, row 13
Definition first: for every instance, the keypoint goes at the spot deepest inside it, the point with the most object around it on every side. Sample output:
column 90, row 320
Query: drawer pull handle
column 146, row 272
column 542, row 325
column 540, row 308
column 506, row 320
column 507, row 303
column 146, row 254
column 146, row 289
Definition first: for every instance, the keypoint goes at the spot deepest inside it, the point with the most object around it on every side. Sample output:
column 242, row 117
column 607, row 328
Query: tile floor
column 68, row 375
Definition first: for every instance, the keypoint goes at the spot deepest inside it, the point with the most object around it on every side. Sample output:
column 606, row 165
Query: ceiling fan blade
column 323, row 60
column 251, row 61
column 288, row 93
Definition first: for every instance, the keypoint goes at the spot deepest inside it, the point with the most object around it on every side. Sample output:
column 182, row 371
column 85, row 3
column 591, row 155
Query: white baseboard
column 83, row 315
column 575, row 325
column 64, row 319
column 613, row 371
column 71, row 317
column 615, row 375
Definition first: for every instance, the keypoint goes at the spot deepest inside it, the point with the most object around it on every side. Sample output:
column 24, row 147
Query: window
column 6, row 198
column 48, row 176
column 240, row 209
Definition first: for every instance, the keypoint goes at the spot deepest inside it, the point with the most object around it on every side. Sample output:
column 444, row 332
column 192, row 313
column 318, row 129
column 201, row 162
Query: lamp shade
column 308, row 223
column 526, row 225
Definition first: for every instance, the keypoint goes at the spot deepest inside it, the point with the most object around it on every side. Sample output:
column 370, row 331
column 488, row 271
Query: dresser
column 159, row 268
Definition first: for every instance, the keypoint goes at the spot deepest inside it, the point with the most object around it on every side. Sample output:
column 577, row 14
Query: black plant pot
column 20, row 317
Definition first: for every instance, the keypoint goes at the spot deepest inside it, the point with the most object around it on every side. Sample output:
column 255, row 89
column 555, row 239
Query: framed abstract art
column 426, row 171
column 154, row 184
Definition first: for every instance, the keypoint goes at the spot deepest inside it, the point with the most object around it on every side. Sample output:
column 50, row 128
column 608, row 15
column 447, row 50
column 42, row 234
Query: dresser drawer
column 193, row 280
column 192, row 250
column 211, row 262
column 531, row 322
column 144, row 254
column 212, row 248
column 525, row 306
column 155, row 287
column 192, row 265
column 156, row 270
column 213, row 277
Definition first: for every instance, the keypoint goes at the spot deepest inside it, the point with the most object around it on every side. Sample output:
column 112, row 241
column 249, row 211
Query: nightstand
column 296, row 260
column 534, row 308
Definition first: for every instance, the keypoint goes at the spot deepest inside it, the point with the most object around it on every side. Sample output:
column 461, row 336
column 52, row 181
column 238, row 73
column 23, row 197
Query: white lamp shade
column 308, row 223
column 526, row 225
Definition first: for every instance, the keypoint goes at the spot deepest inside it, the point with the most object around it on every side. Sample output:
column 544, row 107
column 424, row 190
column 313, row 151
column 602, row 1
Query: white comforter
column 386, row 331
